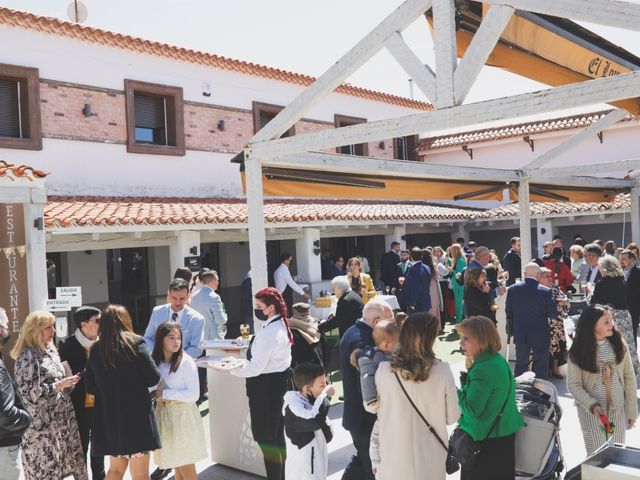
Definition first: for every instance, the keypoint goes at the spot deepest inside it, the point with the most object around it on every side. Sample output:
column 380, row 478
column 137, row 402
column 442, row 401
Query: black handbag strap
column 420, row 414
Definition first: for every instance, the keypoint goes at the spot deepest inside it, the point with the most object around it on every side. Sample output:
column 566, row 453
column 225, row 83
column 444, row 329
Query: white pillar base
column 308, row 263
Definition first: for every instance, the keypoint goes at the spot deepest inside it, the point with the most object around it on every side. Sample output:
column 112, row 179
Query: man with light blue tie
column 209, row 304
column 177, row 310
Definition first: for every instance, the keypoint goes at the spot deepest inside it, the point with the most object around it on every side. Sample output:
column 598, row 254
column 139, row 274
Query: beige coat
column 580, row 383
column 407, row 449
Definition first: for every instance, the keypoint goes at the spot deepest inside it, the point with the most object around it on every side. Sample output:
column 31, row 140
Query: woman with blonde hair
column 414, row 386
column 361, row 283
column 51, row 447
column 487, row 399
column 120, row 372
column 579, row 266
column 458, row 264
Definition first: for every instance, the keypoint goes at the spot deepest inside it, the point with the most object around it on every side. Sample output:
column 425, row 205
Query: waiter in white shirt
column 284, row 282
column 268, row 374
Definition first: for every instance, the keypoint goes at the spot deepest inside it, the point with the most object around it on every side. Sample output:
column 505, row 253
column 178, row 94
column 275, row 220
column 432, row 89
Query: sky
column 298, row 35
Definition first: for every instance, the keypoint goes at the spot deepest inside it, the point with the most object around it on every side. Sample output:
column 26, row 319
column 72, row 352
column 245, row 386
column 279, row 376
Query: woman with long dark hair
column 179, row 421
column 120, row 372
column 268, row 374
column 408, row 450
column 361, row 283
column 477, row 296
column 601, row 379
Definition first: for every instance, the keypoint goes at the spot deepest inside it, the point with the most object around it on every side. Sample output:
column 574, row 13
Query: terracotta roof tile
column 543, row 209
column 510, row 131
column 61, row 212
column 54, row 26
column 13, row 172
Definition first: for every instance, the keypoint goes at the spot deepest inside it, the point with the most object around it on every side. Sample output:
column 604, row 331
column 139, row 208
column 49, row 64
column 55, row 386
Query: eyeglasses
column 465, row 339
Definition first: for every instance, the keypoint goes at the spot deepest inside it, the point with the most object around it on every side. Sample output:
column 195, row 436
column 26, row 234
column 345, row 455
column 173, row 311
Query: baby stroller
column 538, row 450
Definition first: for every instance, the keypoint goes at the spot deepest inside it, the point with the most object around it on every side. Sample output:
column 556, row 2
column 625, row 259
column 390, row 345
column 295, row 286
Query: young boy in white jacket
column 306, row 428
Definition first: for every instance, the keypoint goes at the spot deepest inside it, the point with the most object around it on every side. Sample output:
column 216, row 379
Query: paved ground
column 340, row 449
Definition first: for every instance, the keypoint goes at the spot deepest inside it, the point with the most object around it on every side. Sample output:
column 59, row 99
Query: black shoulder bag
column 451, row 464
column 464, row 448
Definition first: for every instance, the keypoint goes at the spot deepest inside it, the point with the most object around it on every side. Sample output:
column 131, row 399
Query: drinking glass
column 222, row 331
column 244, row 331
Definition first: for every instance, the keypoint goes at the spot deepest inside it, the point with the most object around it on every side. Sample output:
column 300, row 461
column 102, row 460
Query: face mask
column 260, row 315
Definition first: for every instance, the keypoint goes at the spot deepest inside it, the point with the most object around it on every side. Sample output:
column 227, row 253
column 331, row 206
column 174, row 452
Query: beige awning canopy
column 550, row 50
column 299, row 183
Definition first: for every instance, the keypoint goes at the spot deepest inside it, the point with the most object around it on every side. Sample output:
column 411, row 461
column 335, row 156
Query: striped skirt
column 592, row 432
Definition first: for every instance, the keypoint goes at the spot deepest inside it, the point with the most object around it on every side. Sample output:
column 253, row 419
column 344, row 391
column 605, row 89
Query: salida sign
column 14, row 296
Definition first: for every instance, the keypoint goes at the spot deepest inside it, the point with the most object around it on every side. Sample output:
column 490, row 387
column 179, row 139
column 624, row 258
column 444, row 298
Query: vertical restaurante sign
column 14, row 294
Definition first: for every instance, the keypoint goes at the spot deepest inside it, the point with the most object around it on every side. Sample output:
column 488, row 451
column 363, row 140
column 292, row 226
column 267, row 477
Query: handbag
column 451, row 463
column 464, row 448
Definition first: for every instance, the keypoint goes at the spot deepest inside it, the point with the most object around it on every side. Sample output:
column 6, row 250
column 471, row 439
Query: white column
column 525, row 222
column 461, row 230
column 185, row 241
column 544, row 233
column 255, row 221
column 396, row 236
column 308, row 262
column 36, row 250
column 635, row 214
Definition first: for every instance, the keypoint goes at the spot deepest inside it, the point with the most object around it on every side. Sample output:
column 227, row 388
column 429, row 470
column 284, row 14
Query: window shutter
column 9, row 109
column 149, row 111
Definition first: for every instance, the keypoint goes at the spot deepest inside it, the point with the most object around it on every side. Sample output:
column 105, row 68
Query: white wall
column 87, row 168
column 89, row 271
column 620, row 143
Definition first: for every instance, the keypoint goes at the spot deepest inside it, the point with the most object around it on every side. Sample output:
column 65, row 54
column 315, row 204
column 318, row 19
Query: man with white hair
column 348, row 309
column 14, row 418
column 529, row 306
column 355, row 418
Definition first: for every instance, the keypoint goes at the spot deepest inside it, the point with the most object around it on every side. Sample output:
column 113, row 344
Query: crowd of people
column 105, row 391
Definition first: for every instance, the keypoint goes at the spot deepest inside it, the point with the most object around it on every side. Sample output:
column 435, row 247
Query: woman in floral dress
column 51, row 448
column 558, row 347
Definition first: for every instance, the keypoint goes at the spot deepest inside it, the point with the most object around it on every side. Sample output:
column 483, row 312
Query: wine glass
column 222, row 331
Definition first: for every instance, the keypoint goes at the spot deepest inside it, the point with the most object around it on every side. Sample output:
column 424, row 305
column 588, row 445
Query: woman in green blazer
column 486, row 388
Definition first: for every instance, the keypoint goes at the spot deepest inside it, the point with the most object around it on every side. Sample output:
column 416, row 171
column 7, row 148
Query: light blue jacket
column 192, row 328
column 209, row 304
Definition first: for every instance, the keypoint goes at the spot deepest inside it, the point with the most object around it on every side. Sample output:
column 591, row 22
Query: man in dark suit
column 632, row 281
column 512, row 262
column 355, row 418
column 529, row 306
column 402, row 269
column 415, row 295
column 592, row 254
column 337, row 268
column 348, row 309
column 388, row 265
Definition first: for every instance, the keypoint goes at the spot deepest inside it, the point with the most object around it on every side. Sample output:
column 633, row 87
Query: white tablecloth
column 323, row 313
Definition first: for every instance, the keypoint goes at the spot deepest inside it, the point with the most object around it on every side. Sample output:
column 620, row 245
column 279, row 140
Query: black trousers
column 287, row 296
column 497, row 460
column 360, row 466
column 85, row 420
column 265, row 394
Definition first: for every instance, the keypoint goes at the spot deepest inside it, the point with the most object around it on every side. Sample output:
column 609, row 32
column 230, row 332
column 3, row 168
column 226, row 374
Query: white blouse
column 270, row 350
column 183, row 384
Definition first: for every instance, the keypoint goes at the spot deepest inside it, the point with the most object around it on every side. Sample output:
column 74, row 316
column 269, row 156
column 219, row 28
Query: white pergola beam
column 444, row 28
column 525, row 223
column 376, row 166
column 256, row 225
column 366, row 48
column 483, row 43
column 581, row 181
column 613, row 13
column 596, row 127
column 420, row 73
column 635, row 214
column 602, row 90
column 588, row 169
